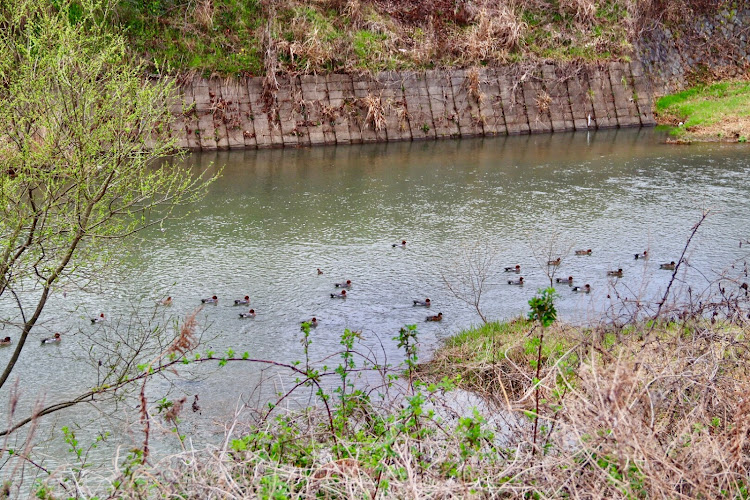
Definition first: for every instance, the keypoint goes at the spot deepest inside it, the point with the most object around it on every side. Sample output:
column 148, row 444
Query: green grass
column 706, row 106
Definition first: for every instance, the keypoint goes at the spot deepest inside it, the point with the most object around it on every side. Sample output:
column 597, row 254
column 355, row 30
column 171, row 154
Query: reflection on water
column 276, row 216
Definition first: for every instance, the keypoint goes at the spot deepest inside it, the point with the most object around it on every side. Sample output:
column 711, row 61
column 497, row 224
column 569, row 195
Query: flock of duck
column 345, row 285
column 617, row 273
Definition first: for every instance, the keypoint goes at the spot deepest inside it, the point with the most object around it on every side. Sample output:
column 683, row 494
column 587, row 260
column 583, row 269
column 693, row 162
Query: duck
column 319, row 272
column 5, row 341
column 164, row 302
column 249, row 314
column 312, row 322
column 617, row 273
column 439, row 317
column 583, row 252
column 52, row 340
column 643, row 255
column 402, row 245
column 423, row 303
column 210, row 300
column 519, row 281
column 513, row 269
column 343, row 284
column 196, row 406
column 555, row 262
column 98, row 319
column 340, row 295
column 242, row 301
column 582, row 289
column 569, row 279
column 668, row 267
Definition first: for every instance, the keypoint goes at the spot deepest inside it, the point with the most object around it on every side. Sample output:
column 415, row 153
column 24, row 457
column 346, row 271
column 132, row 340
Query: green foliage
column 706, row 105
column 543, row 307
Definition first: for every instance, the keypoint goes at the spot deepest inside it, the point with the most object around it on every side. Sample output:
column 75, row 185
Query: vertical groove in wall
column 246, row 115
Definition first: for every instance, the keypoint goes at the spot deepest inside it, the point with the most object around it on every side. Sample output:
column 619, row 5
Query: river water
column 275, row 216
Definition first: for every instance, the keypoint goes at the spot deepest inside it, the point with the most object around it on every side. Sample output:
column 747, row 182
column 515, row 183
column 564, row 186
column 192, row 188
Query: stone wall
column 313, row 110
column 717, row 43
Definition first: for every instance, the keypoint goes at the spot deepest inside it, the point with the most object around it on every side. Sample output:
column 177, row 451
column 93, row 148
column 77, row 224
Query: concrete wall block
column 444, row 114
column 622, row 90
column 561, row 115
column 233, row 93
column 220, row 112
column 466, row 95
column 262, row 125
column 288, row 116
column 537, row 107
column 339, row 89
column 580, row 103
column 602, row 100
column 644, row 101
column 191, row 118
column 201, row 94
column 417, row 104
column 489, row 103
column 513, row 103
column 246, row 115
column 363, row 98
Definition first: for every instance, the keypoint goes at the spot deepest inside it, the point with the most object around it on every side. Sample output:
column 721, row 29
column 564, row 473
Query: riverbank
column 712, row 112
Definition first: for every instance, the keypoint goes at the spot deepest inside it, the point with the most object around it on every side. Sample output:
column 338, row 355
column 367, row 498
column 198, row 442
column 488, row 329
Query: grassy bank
column 717, row 112
column 249, row 37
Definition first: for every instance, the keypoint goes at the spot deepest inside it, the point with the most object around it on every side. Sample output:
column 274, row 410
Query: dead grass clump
column 204, row 13
column 496, row 32
column 473, row 84
column 543, row 101
column 186, row 340
column 583, row 10
column 375, row 111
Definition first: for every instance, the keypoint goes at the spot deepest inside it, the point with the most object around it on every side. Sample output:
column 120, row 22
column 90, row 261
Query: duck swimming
column 643, row 255
column 341, row 295
column 583, row 252
column 319, row 272
column 211, row 300
column 555, row 262
column 582, row 289
column 617, row 273
column 423, row 303
column 343, row 284
column 98, row 319
column 439, row 317
column 402, row 245
column 243, row 301
column 165, row 302
column 52, row 340
column 519, row 281
column 5, row 341
column 668, row 267
column 569, row 279
column 249, row 314
column 513, row 269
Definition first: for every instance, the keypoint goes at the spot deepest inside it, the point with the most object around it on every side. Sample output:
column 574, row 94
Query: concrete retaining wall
column 313, row 110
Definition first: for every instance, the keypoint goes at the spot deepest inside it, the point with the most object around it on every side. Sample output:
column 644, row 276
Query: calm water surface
column 275, row 216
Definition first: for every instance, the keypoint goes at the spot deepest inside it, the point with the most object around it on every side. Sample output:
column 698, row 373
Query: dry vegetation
column 237, row 37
